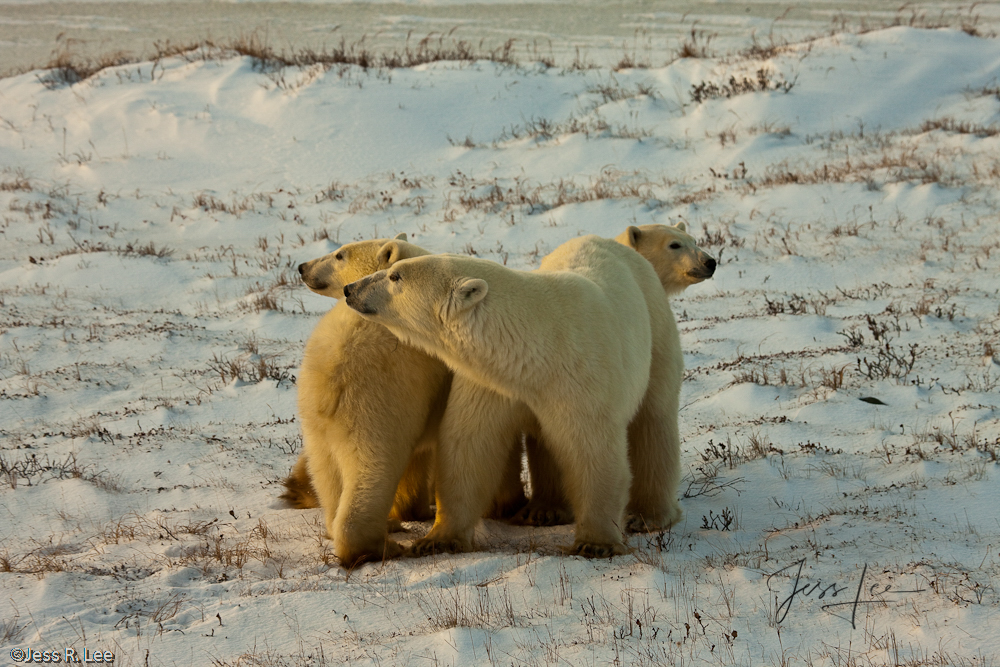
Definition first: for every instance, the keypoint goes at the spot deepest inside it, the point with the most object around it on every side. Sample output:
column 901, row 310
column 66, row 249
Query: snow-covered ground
column 840, row 405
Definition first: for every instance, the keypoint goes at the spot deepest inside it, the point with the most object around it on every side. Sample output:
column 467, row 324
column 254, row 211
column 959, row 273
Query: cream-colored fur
column 654, row 438
column 674, row 254
column 569, row 345
column 369, row 407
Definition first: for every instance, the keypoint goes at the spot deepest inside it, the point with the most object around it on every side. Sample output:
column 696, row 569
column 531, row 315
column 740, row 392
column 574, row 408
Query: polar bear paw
column 651, row 523
column 353, row 558
column 429, row 546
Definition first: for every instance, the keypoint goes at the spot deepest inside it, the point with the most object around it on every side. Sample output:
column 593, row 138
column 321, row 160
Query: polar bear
column 369, row 407
column 654, row 438
column 571, row 344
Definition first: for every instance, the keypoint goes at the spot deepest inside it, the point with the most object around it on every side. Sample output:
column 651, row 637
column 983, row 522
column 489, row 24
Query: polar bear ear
column 469, row 292
column 388, row 255
column 400, row 236
column 681, row 226
column 633, row 234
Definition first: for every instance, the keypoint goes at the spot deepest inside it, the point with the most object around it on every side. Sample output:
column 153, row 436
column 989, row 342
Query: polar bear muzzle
column 706, row 269
column 361, row 295
column 315, row 275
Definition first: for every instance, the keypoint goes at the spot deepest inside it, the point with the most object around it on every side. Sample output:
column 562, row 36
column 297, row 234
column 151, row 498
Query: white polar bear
column 369, row 407
column 654, row 438
column 571, row 344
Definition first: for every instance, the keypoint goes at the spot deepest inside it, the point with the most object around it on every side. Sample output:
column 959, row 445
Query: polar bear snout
column 706, row 270
column 361, row 294
column 308, row 273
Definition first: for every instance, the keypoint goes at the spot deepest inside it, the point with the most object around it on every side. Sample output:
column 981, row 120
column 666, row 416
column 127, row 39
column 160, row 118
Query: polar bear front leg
column 478, row 431
column 359, row 528
column 593, row 457
column 322, row 466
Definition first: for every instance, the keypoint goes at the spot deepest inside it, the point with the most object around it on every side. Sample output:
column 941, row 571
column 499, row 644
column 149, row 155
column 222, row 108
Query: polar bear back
column 574, row 333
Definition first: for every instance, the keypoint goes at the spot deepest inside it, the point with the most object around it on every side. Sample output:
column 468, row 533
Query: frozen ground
column 841, row 398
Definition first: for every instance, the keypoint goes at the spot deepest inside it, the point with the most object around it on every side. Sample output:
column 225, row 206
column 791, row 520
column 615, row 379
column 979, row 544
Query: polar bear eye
column 339, row 256
column 394, row 277
column 675, row 246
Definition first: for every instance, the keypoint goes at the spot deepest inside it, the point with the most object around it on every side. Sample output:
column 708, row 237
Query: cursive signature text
column 807, row 589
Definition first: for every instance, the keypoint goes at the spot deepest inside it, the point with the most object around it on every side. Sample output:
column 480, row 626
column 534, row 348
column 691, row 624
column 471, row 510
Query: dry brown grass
column 427, row 50
column 236, row 207
column 697, row 45
column 150, row 249
column 66, row 68
column 248, row 368
column 14, row 180
column 762, row 82
column 914, row 17
column 250, row 365
column 949, row 124
column 30, row 469
column 902, row 165
column 490, row 196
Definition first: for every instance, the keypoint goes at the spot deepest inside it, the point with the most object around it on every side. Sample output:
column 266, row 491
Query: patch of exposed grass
column 960, row 127
column 251, row 365
column 491, row 196
column 14, row 180
column 762, row 83
column 66, row 68
column 150, row 249
column 31, row 470
column 697, row 45
column 913, row 17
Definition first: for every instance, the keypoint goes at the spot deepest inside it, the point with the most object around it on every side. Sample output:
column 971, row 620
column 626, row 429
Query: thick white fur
column 369, row 406
column 570, row 344
column 674, row 254
column 654, row 438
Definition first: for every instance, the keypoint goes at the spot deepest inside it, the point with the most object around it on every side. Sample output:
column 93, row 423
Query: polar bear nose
column 302, row 269
column 348, row 290
column 710, row 264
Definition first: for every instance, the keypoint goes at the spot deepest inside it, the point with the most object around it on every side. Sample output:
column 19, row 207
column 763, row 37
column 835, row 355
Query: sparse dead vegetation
column 960, row 127
column 492, row 196
column 762, row 82
column 149, row 249
column 960, row 18
column 249, row 368
column 66, row 68
column 32, row 470
column 14, row 180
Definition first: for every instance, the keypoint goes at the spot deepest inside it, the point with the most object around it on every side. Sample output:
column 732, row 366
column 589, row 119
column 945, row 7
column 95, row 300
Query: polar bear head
column 425, row 299
column 678, row 260
column 328, row 274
